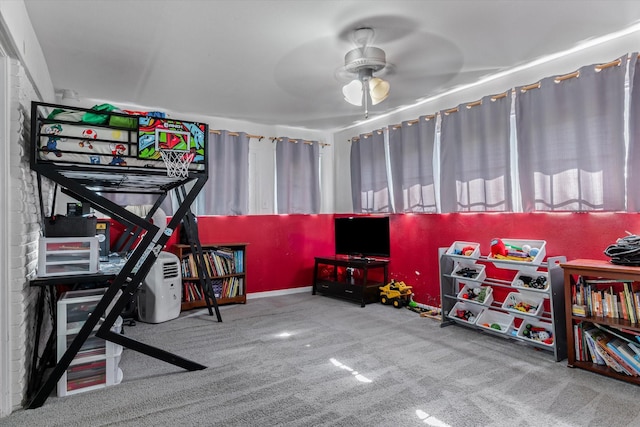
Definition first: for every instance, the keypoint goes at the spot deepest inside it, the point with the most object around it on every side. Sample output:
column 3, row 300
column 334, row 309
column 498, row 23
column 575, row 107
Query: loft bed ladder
column 190, row 227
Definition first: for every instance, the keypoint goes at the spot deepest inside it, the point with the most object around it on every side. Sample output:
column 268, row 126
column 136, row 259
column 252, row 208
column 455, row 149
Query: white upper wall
column 16, row 32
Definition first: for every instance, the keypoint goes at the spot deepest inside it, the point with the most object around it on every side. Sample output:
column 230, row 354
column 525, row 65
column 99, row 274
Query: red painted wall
column 416, row 238
column 281, row 248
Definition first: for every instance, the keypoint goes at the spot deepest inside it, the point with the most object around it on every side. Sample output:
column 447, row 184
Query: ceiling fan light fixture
column 378, row 89
column 364, row 61
column 352, row 92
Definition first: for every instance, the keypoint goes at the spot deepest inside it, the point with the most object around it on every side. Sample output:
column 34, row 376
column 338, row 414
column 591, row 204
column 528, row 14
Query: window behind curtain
column 227, row 190
column 475, row 168
column 571, row 147
column 411, row 148
column 297, row 176
column 369, row 185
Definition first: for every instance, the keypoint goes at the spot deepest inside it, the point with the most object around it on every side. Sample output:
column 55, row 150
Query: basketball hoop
column 177, row 162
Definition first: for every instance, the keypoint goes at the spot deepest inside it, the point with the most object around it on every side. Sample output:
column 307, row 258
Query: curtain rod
column 295, row 141
column 575, row 74
column 558, row 79
column 396, row 126
column 218, row 132
column 272, row 138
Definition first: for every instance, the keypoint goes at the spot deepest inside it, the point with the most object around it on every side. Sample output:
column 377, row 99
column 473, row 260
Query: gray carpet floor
column 303, row 360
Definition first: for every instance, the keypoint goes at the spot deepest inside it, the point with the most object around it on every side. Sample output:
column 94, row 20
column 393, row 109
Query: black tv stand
column 354, row 284
column 359, row 258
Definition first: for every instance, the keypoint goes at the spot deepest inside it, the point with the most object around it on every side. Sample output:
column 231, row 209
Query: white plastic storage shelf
column 517, row 294
column 85, row 375
column 465, row 312
column 75, row 307
column 496, row 322
column 63, row 256
column 96, row 363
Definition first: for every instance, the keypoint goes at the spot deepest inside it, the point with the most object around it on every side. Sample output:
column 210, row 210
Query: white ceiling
column 275, row 62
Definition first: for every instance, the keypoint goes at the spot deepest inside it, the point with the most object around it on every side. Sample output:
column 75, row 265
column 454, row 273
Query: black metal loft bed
column 92, row 152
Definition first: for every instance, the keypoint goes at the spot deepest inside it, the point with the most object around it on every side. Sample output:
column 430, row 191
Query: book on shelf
column 618, row 364
column 636, row 349
column 578, row 337
column 192, row 292
column 596, row 356
column 217, row 262
column 579, row 310
column 622, row 349
column 616, row 332
column 614, row 299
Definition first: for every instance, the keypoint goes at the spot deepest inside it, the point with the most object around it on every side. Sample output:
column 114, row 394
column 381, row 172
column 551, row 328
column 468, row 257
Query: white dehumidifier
column 160, row 294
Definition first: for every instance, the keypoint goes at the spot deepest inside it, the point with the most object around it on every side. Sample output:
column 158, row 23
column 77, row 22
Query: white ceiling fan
column 360, row 64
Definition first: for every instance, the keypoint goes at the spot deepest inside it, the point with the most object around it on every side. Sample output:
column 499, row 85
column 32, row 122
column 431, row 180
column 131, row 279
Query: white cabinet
column 521, row 301
column 62, row 256
column 96, row 363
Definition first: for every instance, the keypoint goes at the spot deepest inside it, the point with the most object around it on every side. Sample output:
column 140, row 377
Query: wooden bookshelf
column 226, row 265
column 575, row 269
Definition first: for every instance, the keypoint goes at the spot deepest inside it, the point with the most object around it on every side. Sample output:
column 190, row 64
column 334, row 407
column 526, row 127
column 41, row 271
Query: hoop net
column 177, row 162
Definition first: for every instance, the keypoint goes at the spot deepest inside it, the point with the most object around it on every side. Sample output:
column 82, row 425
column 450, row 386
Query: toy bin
column 482, row 295
column 464, row 312
column 536, row 249
column 495, row 321
column 465, row 250
column 534, row 281
column 475, row 272
column 537, row 331
column 521, row 303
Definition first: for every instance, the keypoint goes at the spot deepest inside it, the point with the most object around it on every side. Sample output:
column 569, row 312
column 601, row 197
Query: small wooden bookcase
column 226, row 264
column 575, row 269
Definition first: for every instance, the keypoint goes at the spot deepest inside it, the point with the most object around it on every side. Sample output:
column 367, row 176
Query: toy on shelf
column 396, row 293
column 508, row 251
column 467, row 315
column 537, row 332
column 477, row 294
column 536, row 281
column 466, row 251
column 470, row 250
column 523, row 304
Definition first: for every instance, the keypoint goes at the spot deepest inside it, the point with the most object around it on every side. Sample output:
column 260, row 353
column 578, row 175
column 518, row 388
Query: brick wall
column 24, row 233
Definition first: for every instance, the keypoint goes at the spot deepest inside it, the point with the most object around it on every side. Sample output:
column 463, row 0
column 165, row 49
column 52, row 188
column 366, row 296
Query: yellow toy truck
column 396, row 293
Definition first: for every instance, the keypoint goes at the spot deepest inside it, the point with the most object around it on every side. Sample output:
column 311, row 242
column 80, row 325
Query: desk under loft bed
column 91, row 153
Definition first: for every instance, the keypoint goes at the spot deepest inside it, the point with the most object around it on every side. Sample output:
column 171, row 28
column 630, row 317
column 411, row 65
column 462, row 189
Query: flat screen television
column 362, row 236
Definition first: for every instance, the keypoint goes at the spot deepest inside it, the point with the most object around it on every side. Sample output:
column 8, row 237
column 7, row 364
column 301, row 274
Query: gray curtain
column 227, row 190
column 369, row 183
column 571, row 151
column 633, row 173
column 411, row 148
column 297, row 176
column 475, row 157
